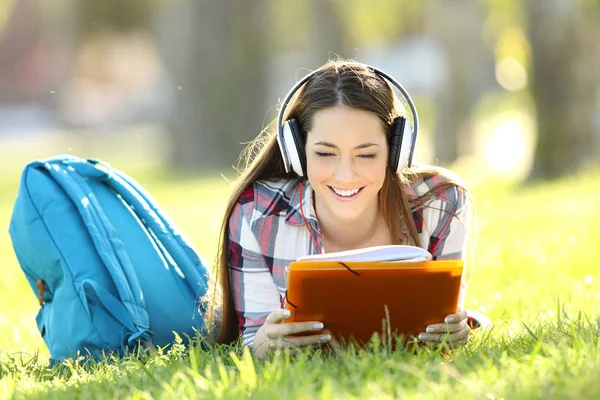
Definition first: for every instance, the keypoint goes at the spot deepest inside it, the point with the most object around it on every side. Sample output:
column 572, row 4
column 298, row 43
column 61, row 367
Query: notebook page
column 390, row 253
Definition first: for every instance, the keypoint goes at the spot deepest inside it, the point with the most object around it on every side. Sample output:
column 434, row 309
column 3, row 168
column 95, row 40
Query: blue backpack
column 110, row 270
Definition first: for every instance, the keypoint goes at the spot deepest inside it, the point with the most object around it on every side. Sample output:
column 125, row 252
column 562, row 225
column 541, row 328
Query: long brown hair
column 339, row 82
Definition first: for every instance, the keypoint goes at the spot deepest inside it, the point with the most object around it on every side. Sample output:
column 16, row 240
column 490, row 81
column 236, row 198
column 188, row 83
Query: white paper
column 391, row 253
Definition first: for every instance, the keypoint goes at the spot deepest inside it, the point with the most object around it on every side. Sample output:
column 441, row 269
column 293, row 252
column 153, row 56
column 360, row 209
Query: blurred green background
column 171, row 90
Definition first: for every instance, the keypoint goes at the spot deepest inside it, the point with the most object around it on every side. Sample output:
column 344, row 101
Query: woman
column 344, row 192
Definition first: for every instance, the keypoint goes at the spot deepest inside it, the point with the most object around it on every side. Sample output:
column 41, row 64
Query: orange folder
column 355, row 299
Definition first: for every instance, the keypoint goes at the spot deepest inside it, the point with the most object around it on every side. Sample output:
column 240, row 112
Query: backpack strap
column 109, row 247
column 182, row 256
column 176, row 249
column 192, row 256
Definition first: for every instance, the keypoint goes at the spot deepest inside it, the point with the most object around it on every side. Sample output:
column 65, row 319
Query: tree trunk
column 563, row 86
column 329, row 38
column 457, row 26
column 19, row 35
column 217, row 53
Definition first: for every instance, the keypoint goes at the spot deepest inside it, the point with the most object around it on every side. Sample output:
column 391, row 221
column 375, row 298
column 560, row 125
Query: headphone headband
column 301, row 82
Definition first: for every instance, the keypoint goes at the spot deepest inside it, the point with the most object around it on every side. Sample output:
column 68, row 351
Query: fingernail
column 325, row 338
column 422, row 336
column 449, row 320
column 318, row 326
column 287, row 314
column 430, row 330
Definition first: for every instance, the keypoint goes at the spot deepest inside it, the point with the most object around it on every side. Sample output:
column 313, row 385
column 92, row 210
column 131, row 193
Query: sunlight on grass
column 535, row 274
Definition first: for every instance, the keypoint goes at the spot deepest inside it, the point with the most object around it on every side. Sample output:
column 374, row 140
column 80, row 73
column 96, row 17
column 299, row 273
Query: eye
column 368, row 155
column 323, row 154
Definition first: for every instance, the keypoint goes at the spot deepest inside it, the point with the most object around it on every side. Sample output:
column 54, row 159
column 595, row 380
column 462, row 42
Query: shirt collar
column 294, row 215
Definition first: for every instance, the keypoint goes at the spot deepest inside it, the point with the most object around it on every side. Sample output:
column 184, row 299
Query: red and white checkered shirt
column 267, row 232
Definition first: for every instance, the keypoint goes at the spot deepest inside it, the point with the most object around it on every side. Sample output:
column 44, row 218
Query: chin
column 346, row 212
column 348, row 216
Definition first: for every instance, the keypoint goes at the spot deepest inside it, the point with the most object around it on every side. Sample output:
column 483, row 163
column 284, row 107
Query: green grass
column 535, row 274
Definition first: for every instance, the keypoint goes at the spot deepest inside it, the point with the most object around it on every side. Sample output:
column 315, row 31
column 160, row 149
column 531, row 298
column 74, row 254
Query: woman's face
column 346, row 155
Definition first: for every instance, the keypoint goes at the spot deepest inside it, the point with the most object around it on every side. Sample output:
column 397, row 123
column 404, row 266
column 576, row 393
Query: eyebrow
column 333, row 146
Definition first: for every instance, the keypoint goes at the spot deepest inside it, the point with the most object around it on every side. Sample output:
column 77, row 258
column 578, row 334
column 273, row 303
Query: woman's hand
column 455, row 325
column 274, row 334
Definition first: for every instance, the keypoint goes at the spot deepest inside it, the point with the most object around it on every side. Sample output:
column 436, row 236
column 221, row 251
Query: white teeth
column 345, row 193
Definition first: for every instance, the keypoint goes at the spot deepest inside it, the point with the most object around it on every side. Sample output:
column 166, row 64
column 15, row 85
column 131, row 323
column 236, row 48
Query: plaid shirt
column 267, row 233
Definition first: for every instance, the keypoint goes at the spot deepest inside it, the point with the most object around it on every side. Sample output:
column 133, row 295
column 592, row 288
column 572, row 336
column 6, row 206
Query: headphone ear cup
column 395, row 144
column 294, row 144
column 407, row 147
column 401, row 145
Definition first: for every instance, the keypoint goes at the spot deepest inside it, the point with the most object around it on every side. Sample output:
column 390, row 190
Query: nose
column 345, row 171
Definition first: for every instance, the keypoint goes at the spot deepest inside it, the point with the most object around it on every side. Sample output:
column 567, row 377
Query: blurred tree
column 217, row 53
column 562, row 35
column 20, row 28
column 378, row 21
column 95, row 16
column 291, row 21
column 457, row 25
column 330, row 38
column 5, row 12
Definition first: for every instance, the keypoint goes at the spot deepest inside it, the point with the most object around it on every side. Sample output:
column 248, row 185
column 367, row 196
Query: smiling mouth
column 346, row 193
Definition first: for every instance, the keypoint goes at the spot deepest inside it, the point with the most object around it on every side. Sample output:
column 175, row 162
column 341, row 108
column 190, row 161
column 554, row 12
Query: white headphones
column 291, row 138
